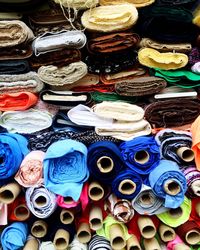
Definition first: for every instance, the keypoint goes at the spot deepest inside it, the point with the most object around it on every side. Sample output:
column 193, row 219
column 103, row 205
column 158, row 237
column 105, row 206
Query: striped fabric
column 99, row 243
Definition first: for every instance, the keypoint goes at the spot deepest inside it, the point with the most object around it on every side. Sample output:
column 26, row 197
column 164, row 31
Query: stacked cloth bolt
column 100, row 124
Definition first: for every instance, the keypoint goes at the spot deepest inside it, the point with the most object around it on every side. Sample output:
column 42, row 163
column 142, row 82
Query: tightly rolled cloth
column 14, row 236
column 147, row 203
column 137, row 3
column 99, row 242
column 40, row 201
column 13, row 149
column 30, row 172
column 196, row 141
column 110, row 18
column 168, row 182
column 26, row 122
column 14, row 67
column 104, row 161
column 141, row 154
column 65, row 168
column 78, row 4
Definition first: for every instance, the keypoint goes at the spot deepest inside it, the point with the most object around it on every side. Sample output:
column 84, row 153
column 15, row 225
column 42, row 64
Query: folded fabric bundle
column 147, row 203
column 127, row 178
column 196, row 141
column 175, row 3
column 165, row 47
column 99, row 97
column 26, row 122
column 49, row 41
column 110, row 18
column 104, row 161
column 137, row 3
column 76, row 245
column 13, row 149
column 170, row 141
column 196, row 68
column 58, row 58
column 30, row 172
column 95, row 87
column 99, row 242
column 140, row 86
column 113, row 43
column 71, row 156
column 176, row 217
column 14, row 67
column 14, row 236
column 17, row 101
column 141, row 154
column 172, row 112
column 18, row 52
column 168, row 183
column 168, row 60
column 77, row 4
column 40, row 201
column 192, row 176
column 65, row 75
column 23, row 82
column 189, row 232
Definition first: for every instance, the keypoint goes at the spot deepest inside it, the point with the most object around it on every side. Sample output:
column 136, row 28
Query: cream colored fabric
column 137, row 3
column 78, row 4
column 110, row 18
column 196, row 16
column 167, row 61
column 65, row 75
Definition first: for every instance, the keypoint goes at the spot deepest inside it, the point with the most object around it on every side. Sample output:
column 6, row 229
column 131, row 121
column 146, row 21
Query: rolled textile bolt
column 9, row 192
column 95, row 191
column 151, row 244
column 61, row 239
column 196, row 187
column 198, row 208
column 21, row 212
column 39, row 229
column 171, row 187
column 192, row 237
column 31, row 244
column 141, row 157
column 185, row 153
column 166, row 233
column 181, row 246
column 127, row 187
column 176, row 213
column 84, row 233
column 105, row 164
column 66, row 216
column 95, row 218
column 133, row 243
column 146, row 227
column 117, row 239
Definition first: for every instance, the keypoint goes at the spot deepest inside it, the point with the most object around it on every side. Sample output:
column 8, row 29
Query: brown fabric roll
column 140, row 86
column 113, row 42
column 173, row 112
column 23, row 51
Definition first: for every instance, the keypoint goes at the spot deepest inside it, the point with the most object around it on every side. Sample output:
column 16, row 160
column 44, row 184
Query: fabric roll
column 189, row 227
column 166, row 172
column 21, row 51
column 102, row 88
column 172, row 113
column 78, row 4
column 177, row 241
column 26, row 122
column 18, row 210
column 71, row 156
column 13, row 149
column 17, row 101
column 140, row 86
column 175, row 3
column 14, row 67
column 47, row 245
column 99, row 242
column 99, row 97
column 194, row 216
column 110, row 18
column 14, row 236
column 112, row 157
column 194, row 56
column 196, row 141
column 23, row 82
column 76, row 245
column 176, row 217
column 147, row 203
column 113, row 43
column 40, row 201
column 137, row 3
column 30, row 172
column 170, row 141
column 192, row 176
column 141, row 154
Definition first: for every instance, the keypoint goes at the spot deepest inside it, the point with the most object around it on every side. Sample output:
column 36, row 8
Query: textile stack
column 100, row 124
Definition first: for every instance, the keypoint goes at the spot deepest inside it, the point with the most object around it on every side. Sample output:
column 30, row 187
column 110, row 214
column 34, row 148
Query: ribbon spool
column 185, row 153
column 31, row 244
column 141, row 157
column 9, row 193
column 146, row 227
column 127, row 187
column 21, row 212
column 95, row 218
column 84, row 233
column 166, row 233
column 95, row 191
column 117, row 239
column 151, row 244
column 105, row 164
column 192, row 237
column 61, row 239
column 39, row 229
column 133, row 243
column 66, row 216
column 171, row 187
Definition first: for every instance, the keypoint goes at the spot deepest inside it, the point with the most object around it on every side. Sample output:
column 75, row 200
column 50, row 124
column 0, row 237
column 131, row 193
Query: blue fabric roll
column 141, row 143
column 65, row 168
column 165, row 171
column 127, row 174
column 14, row 236
column 13, row 149
column 104, row 149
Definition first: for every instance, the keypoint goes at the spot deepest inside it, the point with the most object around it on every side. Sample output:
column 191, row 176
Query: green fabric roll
column 100, row 97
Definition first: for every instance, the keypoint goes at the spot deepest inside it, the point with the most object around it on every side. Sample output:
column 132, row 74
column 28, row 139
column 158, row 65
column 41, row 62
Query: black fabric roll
column 14, row 67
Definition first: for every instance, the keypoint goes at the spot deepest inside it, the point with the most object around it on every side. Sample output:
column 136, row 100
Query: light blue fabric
column 14, row 236
column 65, row 168
column 165, row 171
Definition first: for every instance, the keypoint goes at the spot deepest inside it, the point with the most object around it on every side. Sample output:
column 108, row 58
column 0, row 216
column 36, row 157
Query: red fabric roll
column 194, row 215
column 185, row 228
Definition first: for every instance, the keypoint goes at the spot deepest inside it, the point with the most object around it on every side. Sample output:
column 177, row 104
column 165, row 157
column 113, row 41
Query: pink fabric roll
column 173, row 243
column 30, row 172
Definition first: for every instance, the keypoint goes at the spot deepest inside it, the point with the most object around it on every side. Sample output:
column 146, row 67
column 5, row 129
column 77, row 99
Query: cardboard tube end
column 31, row 244
column 41, row 201
column 176, row 213
column 39, row 229
column 95, row 191
column 146, row 227
column 186, row 154
column 192, row 237
column 127, row 187
column 166, row 233
column 141, row 157
column 61, row 239
column 172, row 187
column 21, row 212
column 9, row 193
column 83, row 233
column 105, row 164
column 151, row 244
column 66, row 216
column 133, row 243
column 117, row 239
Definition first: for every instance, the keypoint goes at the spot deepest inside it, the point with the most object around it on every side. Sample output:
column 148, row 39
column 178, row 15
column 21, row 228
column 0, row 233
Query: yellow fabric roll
column 110, row 18
column 78, row 4
column 137, row 3
column 167, row 61
column 196, row 15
